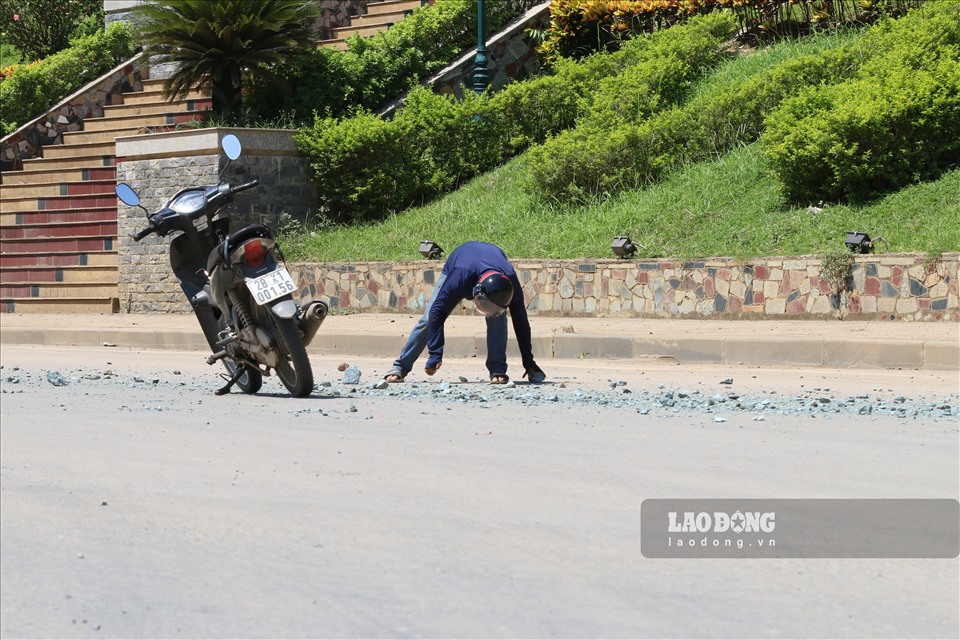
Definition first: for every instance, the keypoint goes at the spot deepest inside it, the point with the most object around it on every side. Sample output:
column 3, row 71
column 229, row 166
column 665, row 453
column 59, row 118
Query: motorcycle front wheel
column 251, row 381
column 294, row 367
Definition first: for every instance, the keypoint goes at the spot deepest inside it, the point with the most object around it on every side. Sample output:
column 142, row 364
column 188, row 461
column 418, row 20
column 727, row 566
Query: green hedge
column 713, row 122
column 350, row 184
column 896, row 123
column 33, row 88
column 456, row 139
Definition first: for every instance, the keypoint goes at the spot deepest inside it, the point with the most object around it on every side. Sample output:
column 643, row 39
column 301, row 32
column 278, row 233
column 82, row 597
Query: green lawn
column 730, row 207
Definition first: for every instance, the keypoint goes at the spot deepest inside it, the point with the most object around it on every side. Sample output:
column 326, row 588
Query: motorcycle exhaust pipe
column 310, row 320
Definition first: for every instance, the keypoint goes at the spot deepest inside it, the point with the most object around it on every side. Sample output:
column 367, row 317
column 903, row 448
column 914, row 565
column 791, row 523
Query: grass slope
column 732, row 206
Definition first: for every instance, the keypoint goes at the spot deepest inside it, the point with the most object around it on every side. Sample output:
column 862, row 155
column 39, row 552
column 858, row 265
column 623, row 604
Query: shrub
column 367, row 166
column 661, row 73
column 895, row 123
column 456, row 138
column 352, row 187
column 712, row 123
column 41, row 28
column 579, row 27
column 860, row 139
column 31, row 89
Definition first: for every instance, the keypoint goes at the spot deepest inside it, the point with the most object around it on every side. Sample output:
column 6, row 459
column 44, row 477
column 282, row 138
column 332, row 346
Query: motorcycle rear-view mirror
column 127, row 195
column 231, row 146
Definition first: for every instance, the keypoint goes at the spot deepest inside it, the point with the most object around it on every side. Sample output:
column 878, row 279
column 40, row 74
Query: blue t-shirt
column 463, row 269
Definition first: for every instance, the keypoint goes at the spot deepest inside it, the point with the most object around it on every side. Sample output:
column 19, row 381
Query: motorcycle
column 241, row 295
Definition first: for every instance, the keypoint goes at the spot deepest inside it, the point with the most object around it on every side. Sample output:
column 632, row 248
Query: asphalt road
column 137, row 504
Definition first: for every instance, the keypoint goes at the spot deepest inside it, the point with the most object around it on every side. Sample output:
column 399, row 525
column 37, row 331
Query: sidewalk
column 907, row 345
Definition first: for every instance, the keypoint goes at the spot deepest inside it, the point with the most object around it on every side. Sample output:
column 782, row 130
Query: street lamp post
column 480, row 73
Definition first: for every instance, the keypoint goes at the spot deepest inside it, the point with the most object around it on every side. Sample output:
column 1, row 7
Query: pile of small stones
column 615, row 394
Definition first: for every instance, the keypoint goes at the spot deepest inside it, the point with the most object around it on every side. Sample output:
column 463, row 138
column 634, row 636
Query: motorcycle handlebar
column 140, row 235
column 248, row 185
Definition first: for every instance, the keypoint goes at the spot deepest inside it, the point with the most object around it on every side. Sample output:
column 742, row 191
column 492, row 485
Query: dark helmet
column 493, row 293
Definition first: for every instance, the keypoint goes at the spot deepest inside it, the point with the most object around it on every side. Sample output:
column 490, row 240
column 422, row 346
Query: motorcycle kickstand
column 230, row 381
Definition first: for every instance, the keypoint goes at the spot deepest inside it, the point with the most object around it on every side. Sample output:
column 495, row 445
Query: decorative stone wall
column 883, row 287
column 159, row 165
column 28, row 141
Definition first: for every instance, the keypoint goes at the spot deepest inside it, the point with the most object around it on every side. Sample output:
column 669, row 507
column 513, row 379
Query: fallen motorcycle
column 241, row 295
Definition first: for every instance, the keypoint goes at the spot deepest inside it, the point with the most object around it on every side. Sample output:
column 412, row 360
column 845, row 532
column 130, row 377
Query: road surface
column 136, row 504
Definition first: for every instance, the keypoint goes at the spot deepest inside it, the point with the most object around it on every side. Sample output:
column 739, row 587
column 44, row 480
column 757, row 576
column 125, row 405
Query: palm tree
column 216, row 44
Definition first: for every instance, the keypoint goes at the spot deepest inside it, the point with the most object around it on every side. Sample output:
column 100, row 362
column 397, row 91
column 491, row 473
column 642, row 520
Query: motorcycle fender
column 283, row 309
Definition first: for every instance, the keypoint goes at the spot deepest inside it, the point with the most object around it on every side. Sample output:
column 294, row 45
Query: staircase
column 58, row 216
column 379, row 16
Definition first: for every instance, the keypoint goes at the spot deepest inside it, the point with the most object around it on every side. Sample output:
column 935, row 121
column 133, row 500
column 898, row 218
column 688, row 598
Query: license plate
column 271, row 286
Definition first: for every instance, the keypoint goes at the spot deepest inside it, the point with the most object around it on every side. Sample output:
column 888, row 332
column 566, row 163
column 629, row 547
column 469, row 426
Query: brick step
column 42, row 176
column 75, row 244
column 364, row 31
column 82, row 201
column 113, row 123
column 60, row 216
column 60, row 305
column 50, row 189
column 68, row 230
column 336, row 43
column 391, row 6
column 66, row 151
column 77, row 162
column 152, row 84
column 384, row 17
column 156, row 95
column 59, row 259
column 59, row 290
column 153, row 108
column 76, row 273
column 111, row 135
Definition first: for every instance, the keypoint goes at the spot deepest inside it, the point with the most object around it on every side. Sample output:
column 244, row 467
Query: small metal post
column 480, row 73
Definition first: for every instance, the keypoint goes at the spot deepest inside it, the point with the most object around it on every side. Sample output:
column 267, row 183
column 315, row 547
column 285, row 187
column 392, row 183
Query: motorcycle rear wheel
column 252, row 380
column 294, row 367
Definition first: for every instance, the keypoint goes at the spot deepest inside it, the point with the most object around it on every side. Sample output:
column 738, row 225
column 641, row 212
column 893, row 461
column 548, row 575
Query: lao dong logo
column 721, row 522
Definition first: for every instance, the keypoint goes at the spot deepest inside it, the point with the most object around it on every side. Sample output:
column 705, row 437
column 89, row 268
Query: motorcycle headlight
column 253, row 252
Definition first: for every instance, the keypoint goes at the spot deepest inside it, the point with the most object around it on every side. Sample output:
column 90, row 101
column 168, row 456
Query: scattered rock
column 57, row 380
column 351, row 375
column 343, row 366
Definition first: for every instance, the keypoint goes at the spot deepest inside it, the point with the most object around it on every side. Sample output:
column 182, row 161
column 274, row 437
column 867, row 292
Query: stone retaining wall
column 159, row 165
column 885, row 287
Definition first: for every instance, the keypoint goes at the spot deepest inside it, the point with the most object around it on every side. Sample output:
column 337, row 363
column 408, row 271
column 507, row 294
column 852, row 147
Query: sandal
column 394, row 376
column 499, row 378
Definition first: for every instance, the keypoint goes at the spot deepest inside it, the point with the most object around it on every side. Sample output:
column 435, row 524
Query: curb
column 933, row 355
